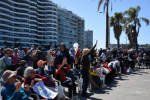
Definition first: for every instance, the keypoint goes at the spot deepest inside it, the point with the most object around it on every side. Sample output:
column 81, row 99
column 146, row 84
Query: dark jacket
column 42, row 72
column 20, row 71
column 61, row 54
column 40, row 56
column 85, row 62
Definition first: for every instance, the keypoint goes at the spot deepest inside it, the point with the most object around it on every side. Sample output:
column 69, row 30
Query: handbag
column 50, row 83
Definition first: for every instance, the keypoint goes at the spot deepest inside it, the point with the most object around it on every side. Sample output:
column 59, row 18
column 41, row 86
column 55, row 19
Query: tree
column 106, row 4
column 130, row 38
column 115, row 22
column 133, row 19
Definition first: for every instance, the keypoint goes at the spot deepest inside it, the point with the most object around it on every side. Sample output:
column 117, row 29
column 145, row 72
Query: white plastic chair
column 80, row 86
column 104, row 76
column 63, row 87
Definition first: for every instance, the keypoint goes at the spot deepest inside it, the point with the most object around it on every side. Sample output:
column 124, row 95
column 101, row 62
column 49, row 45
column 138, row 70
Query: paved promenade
column 135, row 86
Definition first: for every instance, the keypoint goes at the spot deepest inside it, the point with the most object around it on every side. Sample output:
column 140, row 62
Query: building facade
column 38, row 22
column 70, row 28
column 88, row 39
column 28, row 22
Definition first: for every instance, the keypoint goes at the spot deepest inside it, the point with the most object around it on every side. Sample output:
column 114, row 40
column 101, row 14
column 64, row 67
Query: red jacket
column 28, row 81
column 62, row 76
column 105, row 66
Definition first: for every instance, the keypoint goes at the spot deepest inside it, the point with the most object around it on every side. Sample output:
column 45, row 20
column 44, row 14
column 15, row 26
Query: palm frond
column 145, row 20
column 138, row 8
column 99, row 4
column 125, row 13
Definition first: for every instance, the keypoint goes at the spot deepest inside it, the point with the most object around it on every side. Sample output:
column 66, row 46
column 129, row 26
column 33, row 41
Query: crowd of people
column 21, row 69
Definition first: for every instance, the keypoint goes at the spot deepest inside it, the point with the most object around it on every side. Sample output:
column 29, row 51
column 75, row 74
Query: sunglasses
column 32, row 72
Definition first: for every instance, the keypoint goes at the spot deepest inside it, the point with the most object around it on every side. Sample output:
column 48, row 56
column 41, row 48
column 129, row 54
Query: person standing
column 77, row 55
column 16, row 57
column 85, row 67
column 38, row 55
column 21, row 52
column 63, row 53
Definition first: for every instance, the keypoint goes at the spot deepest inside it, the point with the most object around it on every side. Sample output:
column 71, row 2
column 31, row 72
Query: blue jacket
column 8, row 93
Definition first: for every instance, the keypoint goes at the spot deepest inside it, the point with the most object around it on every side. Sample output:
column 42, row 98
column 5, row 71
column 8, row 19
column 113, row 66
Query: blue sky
column 95, row 21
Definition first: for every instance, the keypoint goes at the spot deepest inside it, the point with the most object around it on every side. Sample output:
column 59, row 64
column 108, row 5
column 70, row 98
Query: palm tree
column 127, row 32
column 132, row 18
column 115, row 22
column 106, row 4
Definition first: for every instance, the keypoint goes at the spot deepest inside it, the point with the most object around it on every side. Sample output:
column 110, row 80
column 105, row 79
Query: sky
column 95, row 21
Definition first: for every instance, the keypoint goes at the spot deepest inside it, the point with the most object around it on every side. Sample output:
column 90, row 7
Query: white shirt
column 21, row 52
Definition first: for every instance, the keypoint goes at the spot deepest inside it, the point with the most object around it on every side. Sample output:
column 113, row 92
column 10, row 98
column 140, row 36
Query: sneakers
column 75, row 98
column 104, row 86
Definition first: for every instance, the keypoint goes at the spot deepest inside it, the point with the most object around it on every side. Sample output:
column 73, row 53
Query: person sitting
column 42, row 72
column 22, row 67
column 95, row 78
column 13, row 90
column 61, row 75
column 41, row 66
column 31, row 78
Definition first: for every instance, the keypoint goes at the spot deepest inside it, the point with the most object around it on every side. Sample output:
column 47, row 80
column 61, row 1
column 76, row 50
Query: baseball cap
column 39, row 62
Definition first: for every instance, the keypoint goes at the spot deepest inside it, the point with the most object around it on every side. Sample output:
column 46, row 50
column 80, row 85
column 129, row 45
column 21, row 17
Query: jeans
column 85, row 76
column 71, row 87
column 132, row 64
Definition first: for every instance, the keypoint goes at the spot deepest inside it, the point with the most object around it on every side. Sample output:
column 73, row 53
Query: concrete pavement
column 135, row 86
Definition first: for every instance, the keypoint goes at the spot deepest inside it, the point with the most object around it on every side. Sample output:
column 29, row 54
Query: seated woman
column 12, row 91
column 42, row 72
column 61, row 75
column 96, row 79
column 31, row 78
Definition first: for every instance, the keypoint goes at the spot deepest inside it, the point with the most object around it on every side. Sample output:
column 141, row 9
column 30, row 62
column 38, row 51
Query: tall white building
column 88, row 39
column 38, row 22
column 70, row 28
column 28, row 22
